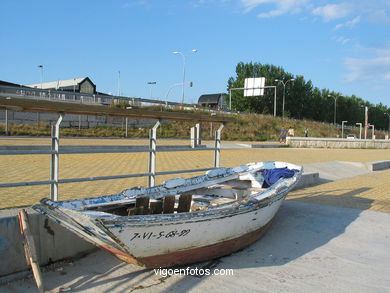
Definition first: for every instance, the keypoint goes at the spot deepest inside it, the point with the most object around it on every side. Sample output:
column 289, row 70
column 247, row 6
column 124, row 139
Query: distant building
column 6, row 83
column 213, row 101
column 79, row 85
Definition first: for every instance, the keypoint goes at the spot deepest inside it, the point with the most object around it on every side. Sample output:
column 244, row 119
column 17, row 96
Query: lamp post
column 184, row 70
column 360, row 130
column 74, row 89
column 40, row 94
column 169, row 90
column 151, row 83
column 342, row 128
column 334, row 115
column 366, row 125
column 284, row 92
column 41, row 67
column 119, row 84
column 388, row 131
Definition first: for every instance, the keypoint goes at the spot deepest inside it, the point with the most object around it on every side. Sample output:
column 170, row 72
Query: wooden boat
column 183, row 220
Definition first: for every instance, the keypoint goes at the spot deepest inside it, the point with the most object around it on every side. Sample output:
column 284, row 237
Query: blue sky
column 340, row 45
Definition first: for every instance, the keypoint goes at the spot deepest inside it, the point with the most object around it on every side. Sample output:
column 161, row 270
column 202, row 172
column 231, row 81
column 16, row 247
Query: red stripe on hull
column 121, row 255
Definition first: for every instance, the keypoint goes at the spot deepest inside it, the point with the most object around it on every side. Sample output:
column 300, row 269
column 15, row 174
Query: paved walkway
column 37, row 167
column 365, row 192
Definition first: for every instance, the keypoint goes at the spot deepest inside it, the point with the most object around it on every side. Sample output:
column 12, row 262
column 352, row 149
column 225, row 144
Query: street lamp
column 184, row 70
column 284, row 92
column 119, row 84
column 360, row 130
column 40, row 94
column 342, row 128
column 334, row 116
column 41, row 67
column 169, row 90
column 388, row 131
column 366, row 125
column 151, row 83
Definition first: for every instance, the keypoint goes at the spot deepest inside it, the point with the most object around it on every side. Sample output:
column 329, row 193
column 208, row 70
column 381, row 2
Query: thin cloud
column 349, row 24
column 251, row 4
column 282, row 6
column 333, row 11
column 202, row 3
column 134, row 3
column 342, row 40
column 372, row 11
column 379, row 16
column 375, row 69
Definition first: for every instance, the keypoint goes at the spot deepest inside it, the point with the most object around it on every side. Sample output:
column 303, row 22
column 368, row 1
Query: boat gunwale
column 122, row 198
column 200, row 216
column 224, row 210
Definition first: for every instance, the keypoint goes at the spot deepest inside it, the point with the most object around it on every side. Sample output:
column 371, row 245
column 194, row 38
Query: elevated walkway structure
column 10, row 102
column 29, row 105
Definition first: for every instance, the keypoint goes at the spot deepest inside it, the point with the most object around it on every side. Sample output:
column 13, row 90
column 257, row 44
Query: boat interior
column 215, row 196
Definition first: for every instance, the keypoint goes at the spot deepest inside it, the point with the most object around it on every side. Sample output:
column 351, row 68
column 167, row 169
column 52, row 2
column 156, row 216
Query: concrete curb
column 378, row 165
column 308, row 179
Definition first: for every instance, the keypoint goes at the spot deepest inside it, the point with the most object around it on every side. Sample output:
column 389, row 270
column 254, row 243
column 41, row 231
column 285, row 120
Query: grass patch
column 246, row 127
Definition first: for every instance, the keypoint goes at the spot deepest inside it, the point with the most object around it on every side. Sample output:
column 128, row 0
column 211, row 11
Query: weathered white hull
column 174, row 239
column 162, row 238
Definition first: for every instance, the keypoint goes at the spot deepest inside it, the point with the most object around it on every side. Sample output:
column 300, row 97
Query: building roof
column 59, row 83
column 6, row 83
column 210, row 98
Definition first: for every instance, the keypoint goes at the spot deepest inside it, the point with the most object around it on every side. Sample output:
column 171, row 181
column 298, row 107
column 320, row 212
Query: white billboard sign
column 254, row 86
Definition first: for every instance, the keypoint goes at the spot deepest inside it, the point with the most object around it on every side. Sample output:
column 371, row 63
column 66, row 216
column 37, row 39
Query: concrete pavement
column 309, row 248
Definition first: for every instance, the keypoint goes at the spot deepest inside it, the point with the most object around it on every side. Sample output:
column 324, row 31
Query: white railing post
column 152, row 154
column 198, row 139
column 193, row 137
column 217, row 152
column 55, row 146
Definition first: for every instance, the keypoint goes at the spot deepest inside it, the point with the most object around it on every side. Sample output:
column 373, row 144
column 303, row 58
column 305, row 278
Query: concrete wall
column 52, row 241
column 337, row 143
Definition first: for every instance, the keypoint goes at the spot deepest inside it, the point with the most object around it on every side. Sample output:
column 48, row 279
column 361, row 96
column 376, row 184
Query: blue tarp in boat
column 273, row 175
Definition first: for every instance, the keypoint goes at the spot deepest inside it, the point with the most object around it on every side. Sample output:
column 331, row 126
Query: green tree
column 303, row 100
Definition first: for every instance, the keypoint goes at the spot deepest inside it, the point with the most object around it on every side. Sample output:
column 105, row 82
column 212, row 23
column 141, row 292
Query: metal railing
column 55, row 151
column 76, row 97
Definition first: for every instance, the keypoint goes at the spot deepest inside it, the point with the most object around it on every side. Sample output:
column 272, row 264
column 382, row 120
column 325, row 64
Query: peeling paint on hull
column 204, row 253
column 163, row 240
